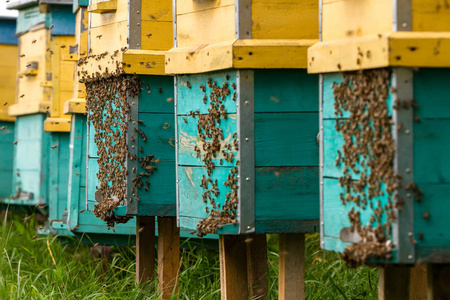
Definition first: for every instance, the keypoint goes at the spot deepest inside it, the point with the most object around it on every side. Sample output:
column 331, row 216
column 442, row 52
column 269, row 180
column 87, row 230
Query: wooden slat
column 145, row 249
column 61, row 124
column 156, row 35
column 157, row 10
column 75, row 106
column 291, row 282
column 285, row 19
column 4, row 116
column 103, row 7
column 398, row 49
column 189, row 6
column 233, row 267
column 394, row 283
column 351, row 18
column 258, row 282
column 241, row 54
column 109, row 38
column 8, row 78
column 428, row 16
column 206, row 26
column 419, row 283
column 29, row 108
column 168, row 256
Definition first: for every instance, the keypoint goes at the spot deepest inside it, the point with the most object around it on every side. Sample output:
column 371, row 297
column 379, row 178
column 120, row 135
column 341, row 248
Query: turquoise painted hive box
column 247, row 151
column 384, row 164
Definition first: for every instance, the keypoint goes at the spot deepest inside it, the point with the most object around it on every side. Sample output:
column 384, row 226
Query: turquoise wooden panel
column 188, row 139
column 29, row 17
column 196, row 95
column 6, row 158
column 286, row 139
column 159, row 130
column 31, row 158
column 7, row 32
column 59, row 174
column 92, row 145
column 92, row 181
column 286, row 150
column 160, row 98
column 431, row 174
column 63, row 19
column 286, row 91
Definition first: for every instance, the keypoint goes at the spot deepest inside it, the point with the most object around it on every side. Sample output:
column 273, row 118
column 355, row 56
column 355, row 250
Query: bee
column 76, row 227
column 99, row 36
column 81, row 211
column 15, row 143
column 51, row 27
column 18, row 174
column 54, row 147
column 23, row 55
column 34, row 41
column 227, row 77
column 3, row 127
column 148, row 35
column 34, row 237
column 23, row 95
column 160, row 89
column 188, row 84
column 170, row 100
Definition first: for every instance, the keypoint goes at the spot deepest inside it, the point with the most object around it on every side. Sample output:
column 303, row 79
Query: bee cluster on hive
column 110, row 113
column 368, row 152
column 212, row 145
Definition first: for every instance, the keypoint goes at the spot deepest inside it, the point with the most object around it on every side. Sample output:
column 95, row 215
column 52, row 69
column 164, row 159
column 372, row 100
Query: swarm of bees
column 368, row 152
column 212, row 144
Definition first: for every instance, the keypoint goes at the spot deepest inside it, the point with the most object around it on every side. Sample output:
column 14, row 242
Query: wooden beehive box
column 384, row 130
column 42, row 38
column 8, row 69
column 247, row 155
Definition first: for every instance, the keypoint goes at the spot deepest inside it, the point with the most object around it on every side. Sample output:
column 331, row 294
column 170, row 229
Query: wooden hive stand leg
column 394, row 282
column 168, row 256
column 291, row 279
column 145, row 249
column 439, row 281
column 233, row 267
column 258, row 281
column 419, row 283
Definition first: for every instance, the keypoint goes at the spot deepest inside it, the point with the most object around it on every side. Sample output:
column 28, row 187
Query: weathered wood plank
column 419, row 282
column 168, row 256
column 233, row 267
column 145, row 249
column 438, row 275
column 160, row 98
column 291, row 281
column 6, row 158
column 157, row 35
column 394, row 283
column 258, row 283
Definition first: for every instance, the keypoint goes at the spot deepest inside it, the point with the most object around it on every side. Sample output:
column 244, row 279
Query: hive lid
column 20, row 4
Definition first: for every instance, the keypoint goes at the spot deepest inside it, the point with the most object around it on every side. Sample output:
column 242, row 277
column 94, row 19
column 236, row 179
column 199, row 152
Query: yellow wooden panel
column 206, row 26
column 119, row 15
column 62, row 73
column 8, row 78
column 4, row 116
column 431, row 15
column 75, row 106
column 156, row 35
column 420, row 49
column 81, row 38
column 266, row 54
column 396, row 49
column 285, row 19
column 200, row 59
column 157, row 10
column 34, row 46
column 103, row 7
column 26, row 108
column 61, row 124
column 239, row 54
column 189, row 6
column 350, row 18
column 143, row 62
column 109, row 38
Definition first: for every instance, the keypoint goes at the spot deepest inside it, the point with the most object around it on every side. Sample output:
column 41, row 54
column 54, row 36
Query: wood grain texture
column 438, row 275
column 233, row 267
column 258, row 283
column 394, row 283
column 168, row 257
column 428, row 16
column 419, row 282
column 145, row 249
column 8, row 77
column 291, row 281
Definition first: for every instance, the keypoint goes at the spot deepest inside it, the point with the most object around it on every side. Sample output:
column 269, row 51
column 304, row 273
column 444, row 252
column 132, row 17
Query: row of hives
column 220, row 120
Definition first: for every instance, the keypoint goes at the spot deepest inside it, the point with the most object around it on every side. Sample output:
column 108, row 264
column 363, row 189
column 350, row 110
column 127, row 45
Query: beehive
column 8, row 69
column 384, row 129
column 134, row 58
column 43, row 42
column 247, row 158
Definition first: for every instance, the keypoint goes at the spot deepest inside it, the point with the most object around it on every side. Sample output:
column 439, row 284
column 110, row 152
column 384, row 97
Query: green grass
column 42, row 267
